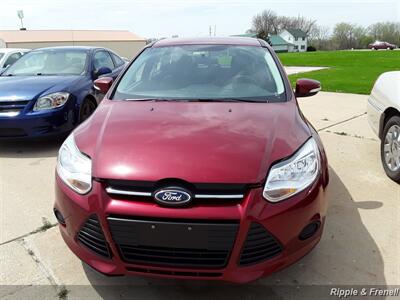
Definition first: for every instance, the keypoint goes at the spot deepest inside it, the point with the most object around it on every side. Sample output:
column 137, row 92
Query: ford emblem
column 172, row 196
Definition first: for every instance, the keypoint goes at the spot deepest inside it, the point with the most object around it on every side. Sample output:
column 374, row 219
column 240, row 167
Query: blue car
column 50, row 90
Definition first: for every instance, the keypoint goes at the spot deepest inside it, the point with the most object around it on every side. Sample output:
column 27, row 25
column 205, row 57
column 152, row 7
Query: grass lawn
column 350, row 71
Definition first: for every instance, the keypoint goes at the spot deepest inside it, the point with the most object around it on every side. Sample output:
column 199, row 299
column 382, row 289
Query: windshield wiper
column 199, row 100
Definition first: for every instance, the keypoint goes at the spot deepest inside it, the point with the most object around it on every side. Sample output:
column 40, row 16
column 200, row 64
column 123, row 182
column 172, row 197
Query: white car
column 384, row 117
column 8, row 56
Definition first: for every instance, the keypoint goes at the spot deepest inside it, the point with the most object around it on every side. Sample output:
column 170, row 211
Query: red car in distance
column 378, row 45
column 198, row 164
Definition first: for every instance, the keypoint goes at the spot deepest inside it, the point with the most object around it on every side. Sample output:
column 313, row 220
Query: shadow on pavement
column 30, row 148
column 346, row 255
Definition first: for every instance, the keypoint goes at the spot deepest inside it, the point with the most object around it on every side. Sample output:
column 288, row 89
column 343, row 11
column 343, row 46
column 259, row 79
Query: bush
column 311, row 49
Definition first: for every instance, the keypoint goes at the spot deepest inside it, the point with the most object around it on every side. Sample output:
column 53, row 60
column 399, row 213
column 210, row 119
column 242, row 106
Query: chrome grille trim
column 111, row 190
column 114, row 191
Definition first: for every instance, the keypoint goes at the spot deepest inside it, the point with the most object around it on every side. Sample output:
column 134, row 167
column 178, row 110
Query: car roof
column 71, row 48
column 7, row 50
column 239, row 41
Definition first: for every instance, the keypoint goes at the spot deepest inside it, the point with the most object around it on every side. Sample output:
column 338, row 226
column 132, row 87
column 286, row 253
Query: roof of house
column 23, row 36
column 244, row 41
column 276, row 40
column 297, row 32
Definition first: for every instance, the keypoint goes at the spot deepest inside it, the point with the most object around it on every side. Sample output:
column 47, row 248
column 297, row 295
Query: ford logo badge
column 172, row 196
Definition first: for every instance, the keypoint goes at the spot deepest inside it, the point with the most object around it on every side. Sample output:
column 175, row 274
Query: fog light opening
column 59, row 217
column 309, row 230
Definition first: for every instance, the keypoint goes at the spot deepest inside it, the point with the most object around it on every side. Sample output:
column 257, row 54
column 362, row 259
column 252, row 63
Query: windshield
column 1, row 55
column 50, row 62
column 194, row 72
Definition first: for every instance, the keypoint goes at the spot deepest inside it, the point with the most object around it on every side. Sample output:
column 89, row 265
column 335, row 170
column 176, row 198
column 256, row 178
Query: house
column 123, row 42
column 297, row 37
column 279, row 44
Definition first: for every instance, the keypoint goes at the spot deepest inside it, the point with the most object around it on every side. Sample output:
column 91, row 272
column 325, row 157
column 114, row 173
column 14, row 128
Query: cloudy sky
column 157, row 18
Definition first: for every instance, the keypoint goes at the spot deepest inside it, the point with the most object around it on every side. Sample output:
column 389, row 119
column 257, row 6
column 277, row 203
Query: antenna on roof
column 20, row 14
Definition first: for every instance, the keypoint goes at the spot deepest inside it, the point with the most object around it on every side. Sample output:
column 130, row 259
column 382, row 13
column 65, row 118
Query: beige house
column 123, row 42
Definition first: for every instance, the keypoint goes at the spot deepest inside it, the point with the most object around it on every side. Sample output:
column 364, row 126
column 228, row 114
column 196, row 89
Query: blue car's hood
column 30, row 87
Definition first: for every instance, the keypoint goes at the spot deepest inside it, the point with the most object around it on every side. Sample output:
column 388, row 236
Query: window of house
column 296, row 39
column 296, row 47
column 304, row 38
column 303, row 47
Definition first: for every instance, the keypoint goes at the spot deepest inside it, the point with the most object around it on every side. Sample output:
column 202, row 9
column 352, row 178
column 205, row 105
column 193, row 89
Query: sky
column 157, row 18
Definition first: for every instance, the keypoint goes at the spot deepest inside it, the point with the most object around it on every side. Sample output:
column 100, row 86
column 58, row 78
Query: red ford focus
column 198, row 164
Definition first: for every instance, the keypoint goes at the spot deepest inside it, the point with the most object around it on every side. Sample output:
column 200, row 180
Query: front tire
column 390, row 148
column 88, row 106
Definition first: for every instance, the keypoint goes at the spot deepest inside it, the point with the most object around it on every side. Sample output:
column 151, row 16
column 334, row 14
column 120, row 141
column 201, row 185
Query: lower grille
column 175, row 273
column 259, row 245
column 12, row 132
column 92, row 237
column 174, row 243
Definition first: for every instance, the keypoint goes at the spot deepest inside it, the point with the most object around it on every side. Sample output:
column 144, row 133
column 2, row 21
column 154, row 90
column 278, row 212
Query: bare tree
column 265, row 23
column 385, row 31
column 268, row 23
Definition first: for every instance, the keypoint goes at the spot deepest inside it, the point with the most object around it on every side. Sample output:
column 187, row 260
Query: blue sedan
column 50, row 90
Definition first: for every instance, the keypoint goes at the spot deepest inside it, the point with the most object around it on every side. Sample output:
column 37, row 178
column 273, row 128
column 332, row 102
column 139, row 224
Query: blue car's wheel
column 87, row 108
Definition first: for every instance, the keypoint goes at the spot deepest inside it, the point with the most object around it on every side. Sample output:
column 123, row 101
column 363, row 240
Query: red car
column 377, row 45
column 198, row 164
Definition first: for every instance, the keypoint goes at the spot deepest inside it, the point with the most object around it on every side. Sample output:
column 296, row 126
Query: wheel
column 390, row 148
column 87, row 108
column 373, row 48
column 388, row 48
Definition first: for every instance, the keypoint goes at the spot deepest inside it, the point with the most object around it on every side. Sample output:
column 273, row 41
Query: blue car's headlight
column 51, row 101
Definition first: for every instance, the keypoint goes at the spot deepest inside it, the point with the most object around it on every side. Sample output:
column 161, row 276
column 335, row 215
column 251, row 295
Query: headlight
column 291, row 176
column 73, row 167
column 51, row 101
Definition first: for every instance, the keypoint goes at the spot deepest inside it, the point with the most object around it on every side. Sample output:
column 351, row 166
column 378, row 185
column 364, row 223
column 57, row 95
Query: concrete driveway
column 360, row 246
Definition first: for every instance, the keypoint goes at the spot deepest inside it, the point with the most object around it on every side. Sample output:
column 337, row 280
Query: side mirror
column 103, row 84
column 307, row 87
column 102, row 71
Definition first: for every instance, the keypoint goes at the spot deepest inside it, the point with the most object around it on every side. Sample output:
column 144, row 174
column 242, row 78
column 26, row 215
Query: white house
column 297, row 37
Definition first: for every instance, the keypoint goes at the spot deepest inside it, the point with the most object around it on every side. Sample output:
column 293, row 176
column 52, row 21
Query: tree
column 385, row 31
column 348, row 36
column 265, row 23
column 268, row 22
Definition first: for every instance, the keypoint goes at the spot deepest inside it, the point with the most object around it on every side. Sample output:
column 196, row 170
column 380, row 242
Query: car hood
column 193, row 141
column 30, row 87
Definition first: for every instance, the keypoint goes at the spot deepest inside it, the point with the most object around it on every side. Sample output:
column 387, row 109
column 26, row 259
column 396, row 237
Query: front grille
column 136, row 190
column 12, row 108
column 12, row 132
column 259, row 245
column 92, row 237
column 191, row 244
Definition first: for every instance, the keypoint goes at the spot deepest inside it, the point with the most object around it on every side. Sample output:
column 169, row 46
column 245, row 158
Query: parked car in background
column 384, row 118
column 49, row 91
column 8, row 56
column 378, row 45
column 197, row 164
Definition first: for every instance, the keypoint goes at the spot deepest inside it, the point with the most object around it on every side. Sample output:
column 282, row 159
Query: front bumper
column 284, row 221
column 374, row 113
column 36, row 125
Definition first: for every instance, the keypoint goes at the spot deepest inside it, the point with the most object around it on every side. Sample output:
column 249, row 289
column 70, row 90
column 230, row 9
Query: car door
column 102, row 58
column 118, row 62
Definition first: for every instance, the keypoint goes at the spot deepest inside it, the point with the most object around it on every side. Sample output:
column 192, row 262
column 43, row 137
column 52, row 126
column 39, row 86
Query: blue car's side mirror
column 102, row 71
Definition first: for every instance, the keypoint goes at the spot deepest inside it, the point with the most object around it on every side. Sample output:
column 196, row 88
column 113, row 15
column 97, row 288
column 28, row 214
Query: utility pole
column 209, row 30
column 215, row 30
column 20, row 14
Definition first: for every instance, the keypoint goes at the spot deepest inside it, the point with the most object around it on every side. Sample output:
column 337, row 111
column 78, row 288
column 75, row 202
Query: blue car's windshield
column 49, row 62
column 203, row 72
